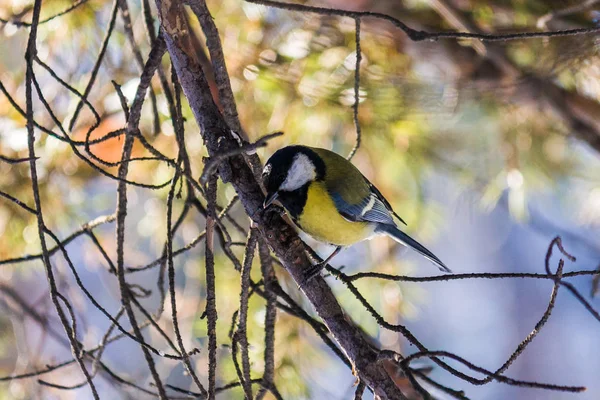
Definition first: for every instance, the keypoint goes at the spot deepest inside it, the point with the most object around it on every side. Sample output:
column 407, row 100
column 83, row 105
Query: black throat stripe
column 294, row 201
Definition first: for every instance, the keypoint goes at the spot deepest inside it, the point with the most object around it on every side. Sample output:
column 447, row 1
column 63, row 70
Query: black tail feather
column 406, row 240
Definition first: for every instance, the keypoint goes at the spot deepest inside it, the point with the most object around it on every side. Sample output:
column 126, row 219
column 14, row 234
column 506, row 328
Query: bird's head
column 290, row 169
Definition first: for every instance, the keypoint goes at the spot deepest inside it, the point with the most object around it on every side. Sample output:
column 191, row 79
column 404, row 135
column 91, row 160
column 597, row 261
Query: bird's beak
column 271, row 197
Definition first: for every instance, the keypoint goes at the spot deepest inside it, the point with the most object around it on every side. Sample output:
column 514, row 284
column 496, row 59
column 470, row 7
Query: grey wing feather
column 378, row 213
column 382, row 199
column 371, row 209
column 349, row 211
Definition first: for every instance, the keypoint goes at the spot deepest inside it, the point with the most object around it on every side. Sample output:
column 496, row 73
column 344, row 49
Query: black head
column 289, row 169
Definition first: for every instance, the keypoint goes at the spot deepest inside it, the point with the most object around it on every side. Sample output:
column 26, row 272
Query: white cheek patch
column 301, row 172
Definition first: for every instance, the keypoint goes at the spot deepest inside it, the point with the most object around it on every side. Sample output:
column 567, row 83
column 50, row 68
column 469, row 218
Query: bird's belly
column 321, row 220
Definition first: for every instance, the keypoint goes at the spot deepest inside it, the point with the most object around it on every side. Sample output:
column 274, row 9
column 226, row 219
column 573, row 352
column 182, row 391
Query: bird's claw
column 276, row 208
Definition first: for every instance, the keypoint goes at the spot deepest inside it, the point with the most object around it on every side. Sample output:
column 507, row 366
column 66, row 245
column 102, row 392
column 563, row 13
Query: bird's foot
column 280, row 210
column 312, row 272
column 274, row 208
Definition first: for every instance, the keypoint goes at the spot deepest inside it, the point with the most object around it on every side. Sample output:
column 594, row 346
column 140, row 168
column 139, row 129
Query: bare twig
column 88, row 88
column 418, row 36
column 242, row 334
column 360, row 389
column 169, row 247
column 356, row 88
column 54, row 293
column 226, row 98
column 153, row 61
column 11, row 160
column 270, row 280
column 499, row 378
column 219, row 66
column 244, row 149
column 211, row 300
column 64, row 12
column 126, row 16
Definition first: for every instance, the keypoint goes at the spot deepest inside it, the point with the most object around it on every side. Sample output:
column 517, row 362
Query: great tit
column 329, row 198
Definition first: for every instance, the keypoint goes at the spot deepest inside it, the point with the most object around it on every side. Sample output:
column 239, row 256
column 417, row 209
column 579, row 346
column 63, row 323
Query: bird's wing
column 370, row 209
column 361, row 201
column 383, row 200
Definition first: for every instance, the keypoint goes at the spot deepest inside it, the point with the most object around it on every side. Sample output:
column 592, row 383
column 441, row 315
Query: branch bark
column 281, row 237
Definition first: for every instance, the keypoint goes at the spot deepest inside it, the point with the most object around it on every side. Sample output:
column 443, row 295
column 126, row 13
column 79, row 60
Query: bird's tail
column 406, row 240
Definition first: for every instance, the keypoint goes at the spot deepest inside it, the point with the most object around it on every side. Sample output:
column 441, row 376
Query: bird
column 327, row 197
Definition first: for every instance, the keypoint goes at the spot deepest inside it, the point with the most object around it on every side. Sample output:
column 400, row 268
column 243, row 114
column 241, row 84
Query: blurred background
column 487, row 151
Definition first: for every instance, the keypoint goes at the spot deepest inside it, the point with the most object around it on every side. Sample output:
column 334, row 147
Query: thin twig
column 137, row 55
column 132, row 124
column 59, row 14
column 499, row 378
column 84, row 229
column 270, row 280
column 244, row 149
column 217, row 57
column 211, row 305
column 356, row 89
column 242, row 334
column 360, row 389
column 96, row 68
column 18, row 202
column 169, row 247
column 418, row 36
column 54, row 293
column 10, row 160
column 219, row 69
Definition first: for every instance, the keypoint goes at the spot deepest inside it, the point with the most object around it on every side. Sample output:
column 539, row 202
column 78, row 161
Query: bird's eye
column 266, row 170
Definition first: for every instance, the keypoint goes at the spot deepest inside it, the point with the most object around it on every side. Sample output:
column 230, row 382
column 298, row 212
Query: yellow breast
column 321, row 219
